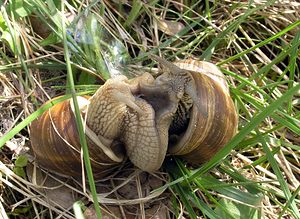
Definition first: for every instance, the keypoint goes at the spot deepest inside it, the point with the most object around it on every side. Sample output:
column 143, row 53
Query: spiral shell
column 56, row 145
column 213, row 121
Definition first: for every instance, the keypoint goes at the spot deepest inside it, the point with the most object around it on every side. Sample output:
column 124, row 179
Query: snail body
column 181, row 112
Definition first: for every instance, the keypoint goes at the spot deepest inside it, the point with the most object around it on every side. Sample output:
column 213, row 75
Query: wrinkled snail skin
column 107, row 109
column 186, row 111
column 142, row 139
column 149, row 132
column 118, row 111
column 146, row 134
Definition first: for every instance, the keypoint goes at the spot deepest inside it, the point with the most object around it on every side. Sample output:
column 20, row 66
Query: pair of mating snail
column 186, row 111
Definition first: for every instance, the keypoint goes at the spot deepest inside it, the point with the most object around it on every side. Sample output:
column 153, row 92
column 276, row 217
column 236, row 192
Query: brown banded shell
column 56, row 144
column 212, row 126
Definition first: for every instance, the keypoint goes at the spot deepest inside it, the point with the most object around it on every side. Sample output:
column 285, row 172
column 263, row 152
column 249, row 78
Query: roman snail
column 186, row 111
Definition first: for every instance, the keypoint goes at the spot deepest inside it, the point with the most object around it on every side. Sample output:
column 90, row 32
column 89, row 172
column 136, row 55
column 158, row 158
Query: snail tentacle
column 92, row 135
column 129, row 101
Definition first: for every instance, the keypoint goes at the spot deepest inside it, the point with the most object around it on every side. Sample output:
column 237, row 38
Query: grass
column 255, row 44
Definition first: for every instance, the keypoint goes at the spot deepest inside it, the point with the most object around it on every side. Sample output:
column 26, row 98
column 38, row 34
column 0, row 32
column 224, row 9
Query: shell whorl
column 212, row 120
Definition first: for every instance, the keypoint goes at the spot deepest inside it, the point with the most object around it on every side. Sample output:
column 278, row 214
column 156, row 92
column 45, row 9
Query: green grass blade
column 262, row 43
column 135, row 11
column 79, row 124
column 206, row 55
column 280, row 178
column 287, row 205
column 239, row 137
column 30, row 118
column 246, row 130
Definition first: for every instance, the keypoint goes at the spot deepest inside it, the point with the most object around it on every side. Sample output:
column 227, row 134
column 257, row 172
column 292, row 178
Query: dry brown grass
column 256, row 77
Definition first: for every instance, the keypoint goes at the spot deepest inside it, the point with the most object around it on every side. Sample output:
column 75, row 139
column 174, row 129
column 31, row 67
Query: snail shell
column 186, row 111
column 56, row 145
column 215, row 123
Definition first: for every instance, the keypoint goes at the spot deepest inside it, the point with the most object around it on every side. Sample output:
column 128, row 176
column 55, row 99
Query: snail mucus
column 186, row 111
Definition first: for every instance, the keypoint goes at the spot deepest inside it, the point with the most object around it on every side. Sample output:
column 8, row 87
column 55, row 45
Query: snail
column 186, row 111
